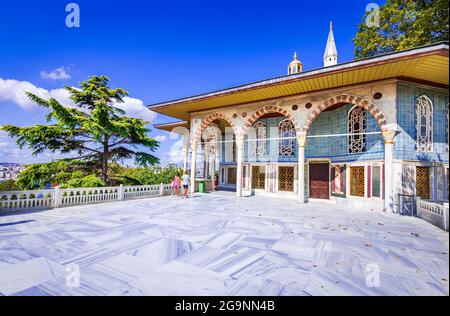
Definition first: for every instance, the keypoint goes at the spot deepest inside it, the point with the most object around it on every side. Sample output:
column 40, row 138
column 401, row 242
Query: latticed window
column 357, row 181
column 286, row 132
column 258, row 177
column 423, row 182
column 286, row 179
column 424, row 124
column 356, row 129
column 259, row 142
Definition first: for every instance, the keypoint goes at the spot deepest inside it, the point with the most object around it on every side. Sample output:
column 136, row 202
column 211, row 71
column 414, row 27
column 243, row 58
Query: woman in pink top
column 176, row 185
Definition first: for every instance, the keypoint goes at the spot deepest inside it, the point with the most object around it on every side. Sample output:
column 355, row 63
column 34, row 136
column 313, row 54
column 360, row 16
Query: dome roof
column 295, row 65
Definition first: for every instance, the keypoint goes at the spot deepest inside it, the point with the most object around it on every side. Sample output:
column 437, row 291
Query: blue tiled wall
column 405, row 145
column 332, row 122
column 271, row 147
column 335, row 122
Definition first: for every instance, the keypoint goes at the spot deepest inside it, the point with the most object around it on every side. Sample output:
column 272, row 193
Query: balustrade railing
column 13, row 201
column 434, row 212
column 25, row 200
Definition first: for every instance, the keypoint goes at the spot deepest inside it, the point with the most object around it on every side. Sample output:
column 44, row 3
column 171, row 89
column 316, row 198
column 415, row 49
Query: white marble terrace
column 220, row 245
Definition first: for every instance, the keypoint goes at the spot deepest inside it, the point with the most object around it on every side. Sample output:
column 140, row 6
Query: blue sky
column 158, row 51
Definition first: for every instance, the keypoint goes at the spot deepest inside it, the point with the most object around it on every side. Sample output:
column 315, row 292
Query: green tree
column 403, row 24
column 153, row 175
column 9, row 185
column 95, row 130
column 90, row 181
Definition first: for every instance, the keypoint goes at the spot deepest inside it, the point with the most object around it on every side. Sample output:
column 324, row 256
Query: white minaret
column 330, row 57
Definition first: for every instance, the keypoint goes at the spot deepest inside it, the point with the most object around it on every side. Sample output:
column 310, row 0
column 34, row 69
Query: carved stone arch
column 366, row 104
column 207, row 122
column 266, row 110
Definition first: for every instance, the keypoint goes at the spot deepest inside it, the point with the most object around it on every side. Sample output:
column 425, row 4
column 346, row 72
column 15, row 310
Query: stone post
column 120, row 193
column 445, row 216
column 57, row 197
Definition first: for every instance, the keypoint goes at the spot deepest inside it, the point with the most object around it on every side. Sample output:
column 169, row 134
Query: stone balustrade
column 32, row 200
column 434, row 212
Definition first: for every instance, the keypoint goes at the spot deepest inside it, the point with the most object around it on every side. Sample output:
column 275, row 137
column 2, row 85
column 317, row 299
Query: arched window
column 286, row 132
column 259, row 144
column 424, row 124
column 356, row 129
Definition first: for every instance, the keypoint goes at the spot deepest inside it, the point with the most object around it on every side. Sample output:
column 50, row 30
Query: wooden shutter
column 423, row 182
column 286, row 179
column 357, row 181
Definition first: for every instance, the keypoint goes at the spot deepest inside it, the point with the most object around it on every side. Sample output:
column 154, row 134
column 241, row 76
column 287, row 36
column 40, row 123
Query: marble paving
column 215, row 244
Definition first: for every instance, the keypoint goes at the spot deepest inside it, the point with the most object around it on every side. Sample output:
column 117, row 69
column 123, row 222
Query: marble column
column 388, row 171
column 186, row 155
column 240, row 160
column 193, row 166
column 301, row 141
column 213, row 172
column 301, row 174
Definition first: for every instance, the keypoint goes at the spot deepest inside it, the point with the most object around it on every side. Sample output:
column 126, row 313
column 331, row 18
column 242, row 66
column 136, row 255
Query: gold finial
column 331, row 25
column 295, row 55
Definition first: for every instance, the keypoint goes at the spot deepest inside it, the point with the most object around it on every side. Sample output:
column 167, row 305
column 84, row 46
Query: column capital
column 389, row 136
column 301, row 139
column 240, row 142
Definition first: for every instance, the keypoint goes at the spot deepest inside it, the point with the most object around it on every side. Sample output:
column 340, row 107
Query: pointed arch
column 207, row 122
column 266, row 110
column 366, row 104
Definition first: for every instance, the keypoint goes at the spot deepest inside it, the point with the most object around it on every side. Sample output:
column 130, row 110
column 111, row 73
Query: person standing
column 176, row 185
column 185, row 182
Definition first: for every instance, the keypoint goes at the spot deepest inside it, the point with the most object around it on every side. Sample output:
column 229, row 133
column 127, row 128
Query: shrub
column 9, row 185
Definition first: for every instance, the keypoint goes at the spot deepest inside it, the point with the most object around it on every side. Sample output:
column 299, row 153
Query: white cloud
column 175, row 154
column 57, row 74
column 136, row 108
column 160, row 138
column 14, row 91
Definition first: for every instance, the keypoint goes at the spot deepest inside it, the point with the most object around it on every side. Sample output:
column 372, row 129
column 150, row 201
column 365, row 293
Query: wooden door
column 258, row 177
column 286, row 179
column 319, row 180
column 231, row 179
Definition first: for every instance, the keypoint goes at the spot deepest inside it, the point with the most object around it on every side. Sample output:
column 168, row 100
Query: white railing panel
column 434, row 213
column 25, row 200
column 81, row 196
column 141, row 191
column 44, row 199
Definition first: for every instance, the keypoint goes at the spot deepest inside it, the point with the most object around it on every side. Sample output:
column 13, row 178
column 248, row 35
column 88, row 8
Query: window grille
column 357, row 181
column 424, row 124
column 356, row 128
column 286, row 132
